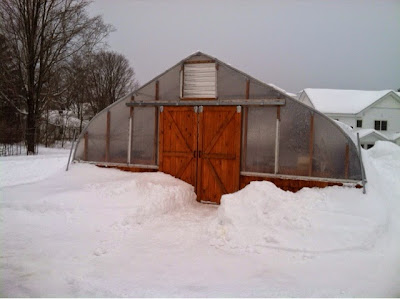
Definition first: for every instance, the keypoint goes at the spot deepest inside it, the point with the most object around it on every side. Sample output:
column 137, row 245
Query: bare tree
column 110, row 78
column 42, row 35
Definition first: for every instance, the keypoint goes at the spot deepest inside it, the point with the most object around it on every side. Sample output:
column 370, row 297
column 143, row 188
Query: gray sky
column 293, row 44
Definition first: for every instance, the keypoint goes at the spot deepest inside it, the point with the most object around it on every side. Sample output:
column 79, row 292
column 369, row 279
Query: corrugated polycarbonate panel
column 119, row 130
column 79, row 152
column 169, row 85
column 329, row 153
column 199, row 80
column 231, row 84
column 258, row 90
column 259, row 146
column 144, row 136
column 294, row 139
column 354, row 163
column 97, row 138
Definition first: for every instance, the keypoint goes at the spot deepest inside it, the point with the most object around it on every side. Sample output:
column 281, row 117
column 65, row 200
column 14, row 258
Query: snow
column 67, row 118
column 97, row 232
column 282, row 90
column 343, row 101
column 16, row 170
column 365, row 132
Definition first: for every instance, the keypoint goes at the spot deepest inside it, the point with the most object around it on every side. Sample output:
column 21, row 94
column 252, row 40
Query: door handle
column 199, row 154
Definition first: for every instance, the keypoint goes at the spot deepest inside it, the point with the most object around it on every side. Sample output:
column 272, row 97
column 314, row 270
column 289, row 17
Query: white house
column 374, row 114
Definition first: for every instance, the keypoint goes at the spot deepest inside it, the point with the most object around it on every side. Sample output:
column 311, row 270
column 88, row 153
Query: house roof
column 365, row 132
column 343, row 101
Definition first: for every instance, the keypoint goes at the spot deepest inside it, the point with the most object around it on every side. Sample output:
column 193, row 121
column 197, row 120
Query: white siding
column 305, row 99
column 392, row 116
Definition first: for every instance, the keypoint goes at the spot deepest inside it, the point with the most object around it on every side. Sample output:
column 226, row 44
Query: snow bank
column 147, row 195
column 312, row 220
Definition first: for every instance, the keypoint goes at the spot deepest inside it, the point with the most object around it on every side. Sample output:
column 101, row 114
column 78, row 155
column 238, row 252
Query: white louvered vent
column 199, row 80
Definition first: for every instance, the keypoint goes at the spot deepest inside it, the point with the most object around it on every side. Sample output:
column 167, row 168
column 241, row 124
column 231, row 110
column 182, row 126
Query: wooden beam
column 346, row 162
column 278, row 113
column 277, row 138
column 155, row 136
column 247, row 89
column 108, row 136
column 311, row 145
column 86, row 146
column 199, row 61
column 130, row 132
column 157, row 90
column 160, row 140
column 245, row 128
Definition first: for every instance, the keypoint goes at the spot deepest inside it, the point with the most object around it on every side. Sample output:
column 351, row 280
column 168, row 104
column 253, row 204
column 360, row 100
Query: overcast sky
column 293, row 44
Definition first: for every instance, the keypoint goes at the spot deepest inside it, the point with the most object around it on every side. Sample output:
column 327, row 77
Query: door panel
column 178, row 143
column 219, row 152
column 202, row 149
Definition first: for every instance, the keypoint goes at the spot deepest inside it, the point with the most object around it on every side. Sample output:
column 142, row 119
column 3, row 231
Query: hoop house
column 218, row 129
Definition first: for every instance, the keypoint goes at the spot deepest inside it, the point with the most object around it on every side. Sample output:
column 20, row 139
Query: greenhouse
column 218, row 129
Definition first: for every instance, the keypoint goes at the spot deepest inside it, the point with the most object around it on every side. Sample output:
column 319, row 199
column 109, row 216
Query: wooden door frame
column 202, row 155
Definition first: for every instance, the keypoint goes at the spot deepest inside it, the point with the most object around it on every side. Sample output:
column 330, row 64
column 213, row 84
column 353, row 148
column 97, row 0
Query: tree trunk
column 30, row 130
column 81, row 119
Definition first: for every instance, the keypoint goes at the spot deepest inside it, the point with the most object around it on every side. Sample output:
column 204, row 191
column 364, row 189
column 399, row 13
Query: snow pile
column 98, row 232
column 312, row 220
column 146, row 195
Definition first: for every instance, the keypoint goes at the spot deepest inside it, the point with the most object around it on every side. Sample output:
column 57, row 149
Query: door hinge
column 238, row 109
column 200, row 109
column 161, row 108
column 196, row 109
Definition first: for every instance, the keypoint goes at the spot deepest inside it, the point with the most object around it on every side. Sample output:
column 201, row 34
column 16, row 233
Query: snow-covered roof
column 282, row 90
column 343, row 101
column 392, row 136
column 66, row 118
column 366, row 132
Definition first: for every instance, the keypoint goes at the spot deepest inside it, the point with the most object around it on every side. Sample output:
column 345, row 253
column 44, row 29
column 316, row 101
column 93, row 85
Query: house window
column 381, row 125
column 359, row 123
column 369, row 146
column 199, row 81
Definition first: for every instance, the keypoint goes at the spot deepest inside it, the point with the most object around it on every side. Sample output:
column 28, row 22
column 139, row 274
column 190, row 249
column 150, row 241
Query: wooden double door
column 201, row 146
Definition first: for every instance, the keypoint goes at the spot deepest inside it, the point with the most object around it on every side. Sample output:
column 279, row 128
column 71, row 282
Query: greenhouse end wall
column 291, row 140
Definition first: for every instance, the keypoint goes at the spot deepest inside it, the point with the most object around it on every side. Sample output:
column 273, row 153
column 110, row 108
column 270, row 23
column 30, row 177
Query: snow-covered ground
column 102, row 232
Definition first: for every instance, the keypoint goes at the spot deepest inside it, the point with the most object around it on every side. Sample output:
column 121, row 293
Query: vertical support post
column 86, row 146
column 244, row 137
column 130, row 135
column 247, row 89
column 216, row 82
column 70, row 152
column 311, row 144
column 160, row 139
column 245, row 128
column 181, row 74
column 346, row 162
column 108, row 136
column 362, row 165
column 155, row 150
column 278, row 123
column 157, row 91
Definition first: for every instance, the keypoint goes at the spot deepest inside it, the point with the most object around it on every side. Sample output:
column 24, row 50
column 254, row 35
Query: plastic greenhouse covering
column 291, row 139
